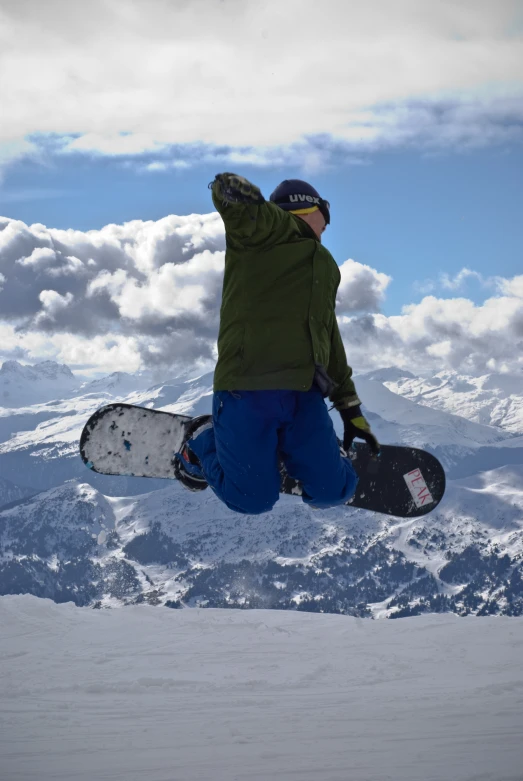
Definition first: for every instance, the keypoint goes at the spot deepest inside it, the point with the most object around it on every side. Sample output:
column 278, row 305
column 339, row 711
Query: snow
column 151, row 694
column 121, row 506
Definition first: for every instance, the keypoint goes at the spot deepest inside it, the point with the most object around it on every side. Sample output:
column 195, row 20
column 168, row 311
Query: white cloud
column 455, row 282
column 171, row 291
column 442, row 333
column 102, row 353
column 361, row 289
column 115, row 144
column 39, row 258
column 53, row 302
column 45, row 260
column 511, row 287
column 160, row 166
column 108, row 353
column 155, row 286
column 133, row 78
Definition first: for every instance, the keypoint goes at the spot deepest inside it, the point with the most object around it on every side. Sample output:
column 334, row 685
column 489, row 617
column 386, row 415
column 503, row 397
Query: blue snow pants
column 252, row 429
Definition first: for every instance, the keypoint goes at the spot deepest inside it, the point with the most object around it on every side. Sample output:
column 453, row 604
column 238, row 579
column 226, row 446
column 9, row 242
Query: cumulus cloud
column 362, row 288
column 53, row 302
column 459, row 281
column 147, row 294
column 45, row 259
column 441, row 333
column 39, row 257
column 511, row 287
column 443, row 73
column 154, row 285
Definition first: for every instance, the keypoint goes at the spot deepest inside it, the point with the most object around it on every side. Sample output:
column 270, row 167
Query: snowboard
column 123, row 439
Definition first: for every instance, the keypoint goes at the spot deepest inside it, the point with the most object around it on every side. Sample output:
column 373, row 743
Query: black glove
column 236, row 189
column 355, row 425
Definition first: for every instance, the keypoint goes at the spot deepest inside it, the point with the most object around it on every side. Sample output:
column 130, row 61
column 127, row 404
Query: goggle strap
column 309, row 210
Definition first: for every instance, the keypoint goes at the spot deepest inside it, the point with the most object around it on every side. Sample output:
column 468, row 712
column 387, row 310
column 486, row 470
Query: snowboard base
column 401, row 481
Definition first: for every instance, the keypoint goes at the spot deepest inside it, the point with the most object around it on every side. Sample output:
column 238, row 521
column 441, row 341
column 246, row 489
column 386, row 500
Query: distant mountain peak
column 23, row 385
column 47, row 369
column 10, row 367
column 52, row 369
column 388, row 374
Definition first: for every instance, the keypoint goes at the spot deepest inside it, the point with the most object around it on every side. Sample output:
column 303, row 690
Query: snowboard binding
column 186, row 465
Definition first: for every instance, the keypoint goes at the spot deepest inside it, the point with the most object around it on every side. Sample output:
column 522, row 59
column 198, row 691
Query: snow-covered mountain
column 109, row 541
column 24, row 385
column 492, row 399
column 177, row 548
column 151, row 695
column 117, row 384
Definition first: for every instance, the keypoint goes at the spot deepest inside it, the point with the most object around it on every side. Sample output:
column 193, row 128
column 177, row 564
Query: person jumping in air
column 280, row 354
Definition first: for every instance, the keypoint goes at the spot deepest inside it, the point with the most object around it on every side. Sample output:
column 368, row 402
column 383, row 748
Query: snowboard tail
column 123, row 439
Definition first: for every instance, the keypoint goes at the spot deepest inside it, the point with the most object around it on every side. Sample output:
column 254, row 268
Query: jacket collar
column 305, row 228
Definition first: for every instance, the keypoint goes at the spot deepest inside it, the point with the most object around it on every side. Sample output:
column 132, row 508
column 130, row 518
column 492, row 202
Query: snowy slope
column 62, row 522
column 256, row 695
column 9, row 492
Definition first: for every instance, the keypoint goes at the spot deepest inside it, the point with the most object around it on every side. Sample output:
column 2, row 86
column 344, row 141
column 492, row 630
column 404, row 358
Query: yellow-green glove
column 355, row 425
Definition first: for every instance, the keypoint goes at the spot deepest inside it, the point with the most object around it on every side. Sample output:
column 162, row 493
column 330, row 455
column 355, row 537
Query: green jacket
column 277, row 319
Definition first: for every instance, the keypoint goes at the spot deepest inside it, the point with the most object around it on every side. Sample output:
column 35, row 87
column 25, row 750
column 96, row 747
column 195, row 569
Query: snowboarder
column 280, row 354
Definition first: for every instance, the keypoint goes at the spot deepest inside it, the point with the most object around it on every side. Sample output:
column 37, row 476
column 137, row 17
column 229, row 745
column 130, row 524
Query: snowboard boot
column 187, row 467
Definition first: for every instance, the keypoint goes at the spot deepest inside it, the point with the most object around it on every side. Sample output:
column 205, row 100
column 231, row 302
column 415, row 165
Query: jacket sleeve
column 250, row 225
column 344, row 394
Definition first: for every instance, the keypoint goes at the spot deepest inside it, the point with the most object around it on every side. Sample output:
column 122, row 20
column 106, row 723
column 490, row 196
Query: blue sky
column 407, row 116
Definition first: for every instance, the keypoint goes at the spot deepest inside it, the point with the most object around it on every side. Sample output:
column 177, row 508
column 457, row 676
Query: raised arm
column 250, row 221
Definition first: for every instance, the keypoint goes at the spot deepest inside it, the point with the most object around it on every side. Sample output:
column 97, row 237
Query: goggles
column 325, row 209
